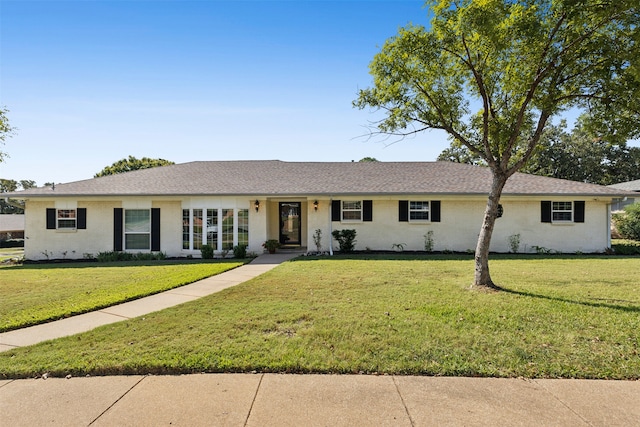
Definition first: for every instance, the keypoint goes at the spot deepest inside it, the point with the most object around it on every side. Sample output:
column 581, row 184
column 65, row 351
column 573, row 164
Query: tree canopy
column 493, row 73
column 5, row 131
column 578, row 155
column 8, row 185
column 131, row 164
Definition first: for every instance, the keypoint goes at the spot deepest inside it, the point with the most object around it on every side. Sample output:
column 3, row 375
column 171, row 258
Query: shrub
column 114, row 256
column 346, row 239
column 317, row 239
column 626, row 247
column 240, row 251
column 428, row 241
column 514, row 243
column 12, row 243
column 206, row 251
column 628, row 222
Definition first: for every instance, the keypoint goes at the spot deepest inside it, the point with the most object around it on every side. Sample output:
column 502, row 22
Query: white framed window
column 220, row 228
column 186, row 229
column 561, row 211
column 137, row 229
column 66, row 219
column 352, row 210
column 243, row 227
column 212, row 228
column 418, row 210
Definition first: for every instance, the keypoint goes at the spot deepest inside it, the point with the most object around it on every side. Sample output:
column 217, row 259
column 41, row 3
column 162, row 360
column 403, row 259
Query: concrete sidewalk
column 117, row 313
column 294, row 400
column 317, row 400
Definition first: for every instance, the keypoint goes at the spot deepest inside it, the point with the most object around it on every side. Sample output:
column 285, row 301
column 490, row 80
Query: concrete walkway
column 294, row 400
column 117, row 313
column 316, row 400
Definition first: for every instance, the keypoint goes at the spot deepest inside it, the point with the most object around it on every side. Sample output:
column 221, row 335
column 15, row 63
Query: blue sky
column 90, row 82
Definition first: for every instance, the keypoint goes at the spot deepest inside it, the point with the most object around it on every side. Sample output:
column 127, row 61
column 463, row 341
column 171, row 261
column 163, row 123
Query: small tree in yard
column 628, row 222
column 493, row 73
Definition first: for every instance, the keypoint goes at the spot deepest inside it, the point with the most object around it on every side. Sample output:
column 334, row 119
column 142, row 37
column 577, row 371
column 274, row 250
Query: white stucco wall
column 458, row 230
column 41, row 243
column 460, row 224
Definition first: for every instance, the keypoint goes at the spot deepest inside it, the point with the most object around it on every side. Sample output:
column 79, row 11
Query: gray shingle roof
column 11, row 222
column 274, row 177
column 628, row 186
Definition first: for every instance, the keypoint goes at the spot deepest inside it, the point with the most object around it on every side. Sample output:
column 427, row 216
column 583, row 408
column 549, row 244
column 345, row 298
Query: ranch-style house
column 179, row 208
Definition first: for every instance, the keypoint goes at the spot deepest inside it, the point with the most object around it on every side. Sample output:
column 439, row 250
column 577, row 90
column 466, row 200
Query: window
column 186, row 229
column 197, row 229
column 212, row 228
column 351, row 210
column 227, row 229
column 66, row 219
column 243, row 227
column 359, row 210
column 418, row 211
column 137, row 229
column 561, row 211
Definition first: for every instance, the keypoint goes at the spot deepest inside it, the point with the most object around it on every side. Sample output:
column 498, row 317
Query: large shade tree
column 132, row 163
column 492, row 73
column 579, row 155
column 5, row 131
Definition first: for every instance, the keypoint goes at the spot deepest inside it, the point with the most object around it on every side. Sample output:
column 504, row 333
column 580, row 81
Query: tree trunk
column 482, row 278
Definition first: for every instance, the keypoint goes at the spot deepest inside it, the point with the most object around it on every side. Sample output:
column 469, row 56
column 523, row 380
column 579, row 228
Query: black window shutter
column 367, row 210
column 435, row 211
column 117, row 229
column 578, row 211
column 51, row 219
column 155, row 229
column 82, row 219
column 403, row 210
column 336, row 207
column 545, row 211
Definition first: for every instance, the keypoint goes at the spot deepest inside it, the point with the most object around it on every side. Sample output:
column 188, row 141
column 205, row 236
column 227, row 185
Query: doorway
column 290, row 227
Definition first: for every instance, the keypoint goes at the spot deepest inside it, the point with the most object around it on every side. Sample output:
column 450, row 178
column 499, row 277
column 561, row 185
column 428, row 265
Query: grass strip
column 31, row 294
column 559, row 317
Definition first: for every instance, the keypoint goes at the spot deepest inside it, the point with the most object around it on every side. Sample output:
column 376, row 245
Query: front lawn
column 36, row 293
column 560, row 316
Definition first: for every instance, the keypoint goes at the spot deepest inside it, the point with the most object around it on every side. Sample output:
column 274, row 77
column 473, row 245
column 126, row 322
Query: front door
column 290, row 223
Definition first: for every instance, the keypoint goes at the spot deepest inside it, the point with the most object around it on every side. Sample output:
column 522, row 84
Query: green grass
column 8, row 253
column 31, row 294
column 560, row 317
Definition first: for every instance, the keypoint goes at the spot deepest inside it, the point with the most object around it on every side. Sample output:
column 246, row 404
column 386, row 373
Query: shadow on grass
column 95, row 264
column 630, row 309
column 458, row 256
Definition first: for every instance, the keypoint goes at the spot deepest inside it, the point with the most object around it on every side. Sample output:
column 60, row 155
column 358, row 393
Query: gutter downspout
column 609, row 225
column 330, row 225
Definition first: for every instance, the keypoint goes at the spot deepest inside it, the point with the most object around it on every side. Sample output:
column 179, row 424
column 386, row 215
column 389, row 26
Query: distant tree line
column 579, row 155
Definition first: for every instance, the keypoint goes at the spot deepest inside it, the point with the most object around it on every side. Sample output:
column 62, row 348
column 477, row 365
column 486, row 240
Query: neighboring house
column 11, row 227
column 620, row 203
column 176, row 209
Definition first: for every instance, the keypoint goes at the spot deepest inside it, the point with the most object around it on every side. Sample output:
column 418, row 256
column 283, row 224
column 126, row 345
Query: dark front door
column 290, row 223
